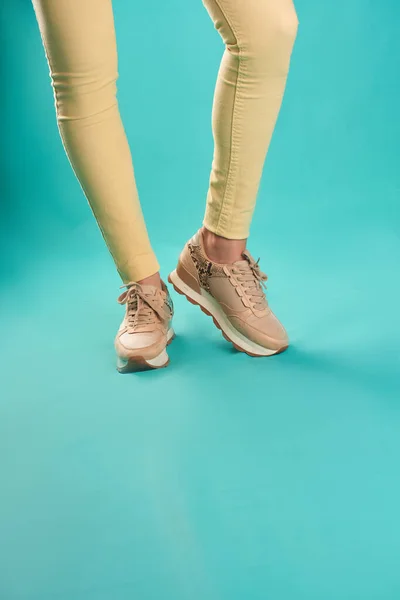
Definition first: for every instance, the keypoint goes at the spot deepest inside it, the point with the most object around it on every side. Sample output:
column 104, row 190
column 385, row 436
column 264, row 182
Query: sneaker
column 146, row 329
column 233, row 295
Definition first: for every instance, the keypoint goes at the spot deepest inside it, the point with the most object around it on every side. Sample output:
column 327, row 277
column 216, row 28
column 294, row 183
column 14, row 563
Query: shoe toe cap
column 134, row 341
column 272, row 327
column 267, row 331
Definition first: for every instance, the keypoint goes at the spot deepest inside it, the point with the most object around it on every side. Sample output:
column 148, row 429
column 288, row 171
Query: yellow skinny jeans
column 80, row 45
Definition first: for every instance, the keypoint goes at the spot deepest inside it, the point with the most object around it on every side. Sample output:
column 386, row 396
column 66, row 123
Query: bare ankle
column 222, row 250
column 154, row 280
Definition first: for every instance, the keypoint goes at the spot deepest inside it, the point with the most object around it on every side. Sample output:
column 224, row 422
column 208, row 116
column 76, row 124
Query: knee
column 80, row 95
column 285, row 25
column 269, row 39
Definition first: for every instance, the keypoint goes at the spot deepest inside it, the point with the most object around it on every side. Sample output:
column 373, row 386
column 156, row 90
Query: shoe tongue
column 247, row 259
column 241, row 263
column 149, row 290
column 155, row 295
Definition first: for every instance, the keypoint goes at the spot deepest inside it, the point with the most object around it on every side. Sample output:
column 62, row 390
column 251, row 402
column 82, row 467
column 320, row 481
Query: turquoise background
column 222, row 477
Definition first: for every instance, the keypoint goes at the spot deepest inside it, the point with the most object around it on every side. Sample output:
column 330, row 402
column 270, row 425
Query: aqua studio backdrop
column 222, row 477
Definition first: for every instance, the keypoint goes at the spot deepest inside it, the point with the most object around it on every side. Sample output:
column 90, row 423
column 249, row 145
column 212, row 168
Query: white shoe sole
column 210, row 307
column 138, row 363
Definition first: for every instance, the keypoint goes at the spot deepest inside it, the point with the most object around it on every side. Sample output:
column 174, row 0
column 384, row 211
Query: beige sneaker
column 146, row 329
column 233, row 295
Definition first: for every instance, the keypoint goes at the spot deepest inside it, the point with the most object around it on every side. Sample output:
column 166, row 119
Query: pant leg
column 79, row 40
column 258, row 37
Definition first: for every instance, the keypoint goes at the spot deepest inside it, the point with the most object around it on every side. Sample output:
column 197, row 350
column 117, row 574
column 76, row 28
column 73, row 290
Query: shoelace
column 141, row 308
column 252, row 280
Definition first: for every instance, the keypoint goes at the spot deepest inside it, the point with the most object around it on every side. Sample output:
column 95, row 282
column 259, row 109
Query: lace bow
column 141, row 305
column 255, row 267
